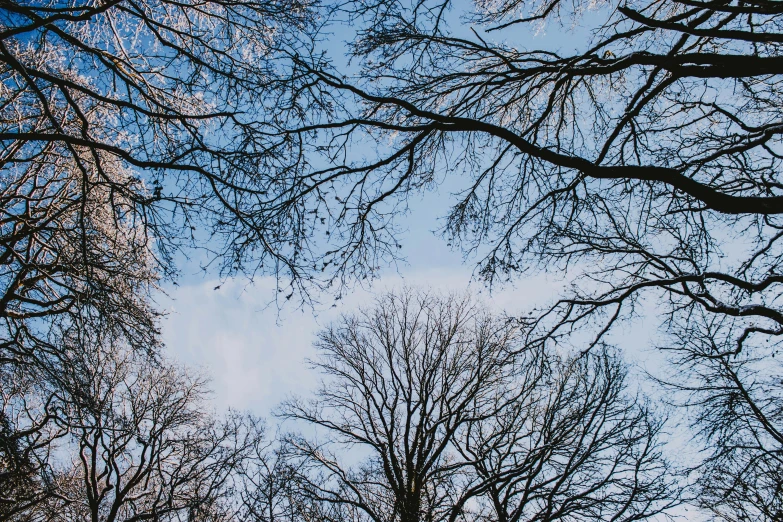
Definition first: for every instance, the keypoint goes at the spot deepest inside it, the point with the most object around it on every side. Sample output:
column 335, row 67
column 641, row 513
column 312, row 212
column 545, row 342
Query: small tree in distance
column 135, row 441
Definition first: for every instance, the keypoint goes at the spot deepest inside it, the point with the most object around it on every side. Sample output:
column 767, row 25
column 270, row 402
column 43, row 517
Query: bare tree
column 141, row 445
column 737, row 408
column 270, row 487
column 648, row 160
column 575, row 446
column 30, row 433
column 433, row 410
column 143, row 110
column 125, row 125
column 405, row 377
column 646, row 156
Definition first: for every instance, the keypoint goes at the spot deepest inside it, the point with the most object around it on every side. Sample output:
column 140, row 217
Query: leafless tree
column 433, row 410
column 125, row 113
column 270, row 487
column 140, row 445
column 647, row 157
column 575, row 446
column 738, row 412
column 405, row 377
column 648, row 160
column 124, row 126
column 30, row 432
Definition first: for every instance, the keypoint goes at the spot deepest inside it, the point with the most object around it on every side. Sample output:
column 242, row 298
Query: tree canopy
column 645, row 164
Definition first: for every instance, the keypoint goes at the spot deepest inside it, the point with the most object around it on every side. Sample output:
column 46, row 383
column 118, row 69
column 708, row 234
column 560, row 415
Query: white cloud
column 256, row 356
